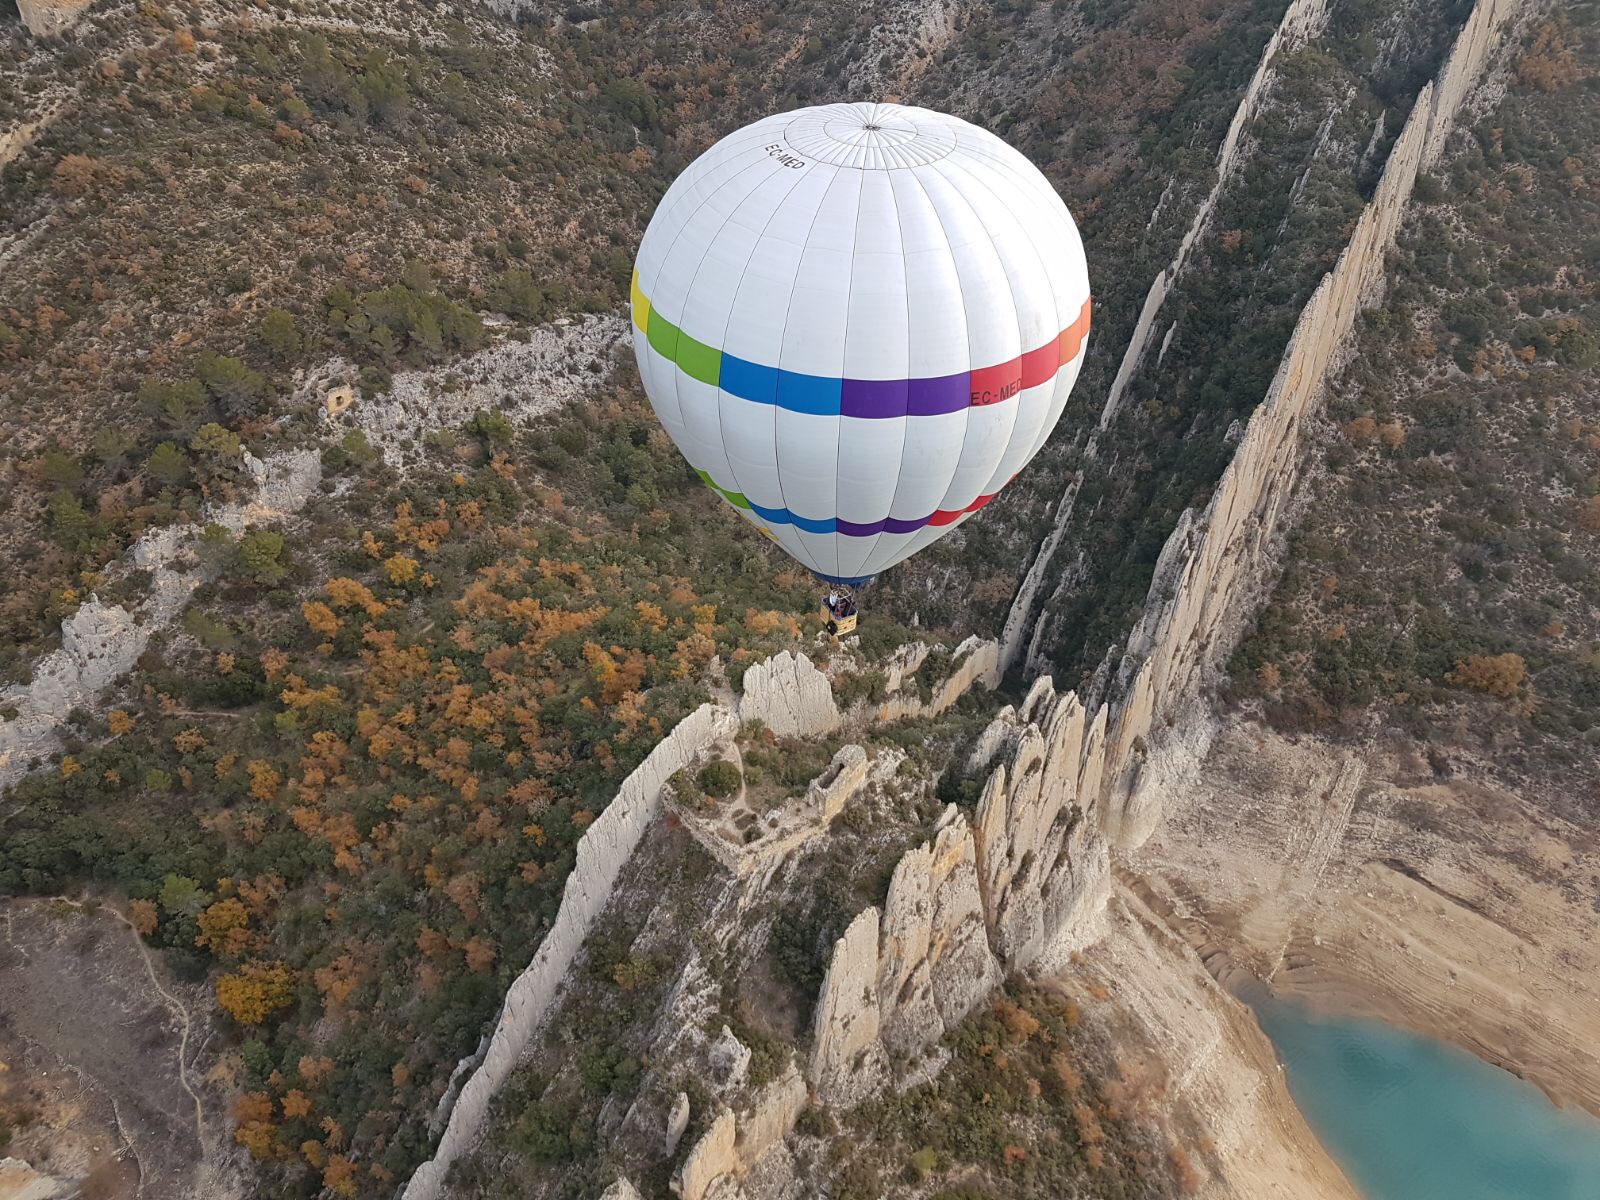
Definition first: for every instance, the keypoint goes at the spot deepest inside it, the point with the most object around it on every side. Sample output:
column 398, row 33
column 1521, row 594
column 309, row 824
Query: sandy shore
column 1200, row 1053
column 1360, row 881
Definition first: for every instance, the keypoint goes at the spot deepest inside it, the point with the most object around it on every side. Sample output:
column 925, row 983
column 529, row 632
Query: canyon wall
column 1214, row 570
column 1302, row 20
column 1065, row 782
column 602, row 851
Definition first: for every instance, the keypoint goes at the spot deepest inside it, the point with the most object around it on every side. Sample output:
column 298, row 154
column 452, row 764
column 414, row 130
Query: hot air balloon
column 858, row 322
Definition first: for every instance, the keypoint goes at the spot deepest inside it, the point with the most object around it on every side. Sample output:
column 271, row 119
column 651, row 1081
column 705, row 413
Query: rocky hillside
column 468, row 765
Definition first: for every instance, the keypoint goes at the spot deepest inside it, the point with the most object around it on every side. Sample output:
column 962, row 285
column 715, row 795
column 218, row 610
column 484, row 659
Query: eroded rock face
column 736, row 1144
column 1022, row 887
column 844, row 777
column 19, row 1181
column 977, row 665
column 709, row 1159
column 845, row 1032
column 46, row 17
column 789, row 696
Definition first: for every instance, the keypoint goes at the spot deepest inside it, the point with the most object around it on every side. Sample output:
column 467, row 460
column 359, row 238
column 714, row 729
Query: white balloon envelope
column 859, row 322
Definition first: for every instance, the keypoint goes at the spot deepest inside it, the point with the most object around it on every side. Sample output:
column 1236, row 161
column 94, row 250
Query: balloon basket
column 839, row 612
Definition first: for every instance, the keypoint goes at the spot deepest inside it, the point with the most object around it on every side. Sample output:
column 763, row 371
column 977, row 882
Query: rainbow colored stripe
column 874, row 399
column 783, row 516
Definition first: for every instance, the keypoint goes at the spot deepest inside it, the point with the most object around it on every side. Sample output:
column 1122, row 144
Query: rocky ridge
column 1039, row 849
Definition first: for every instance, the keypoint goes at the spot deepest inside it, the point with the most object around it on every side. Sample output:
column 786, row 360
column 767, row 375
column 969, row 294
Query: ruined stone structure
column 780, row 833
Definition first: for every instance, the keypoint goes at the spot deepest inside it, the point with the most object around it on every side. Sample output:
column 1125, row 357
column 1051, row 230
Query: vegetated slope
column 1016, row 1101
column 231, row 193
column 1446, row 574
column 347, row 790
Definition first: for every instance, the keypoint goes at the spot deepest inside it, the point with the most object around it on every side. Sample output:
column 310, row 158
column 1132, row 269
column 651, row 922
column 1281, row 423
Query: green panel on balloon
column 698, row 360
column 663, row 335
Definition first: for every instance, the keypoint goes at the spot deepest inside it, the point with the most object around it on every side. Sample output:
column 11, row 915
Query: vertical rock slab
column 962, row 969
column 708, row 1160
column 789, row 696
column 843, row 1067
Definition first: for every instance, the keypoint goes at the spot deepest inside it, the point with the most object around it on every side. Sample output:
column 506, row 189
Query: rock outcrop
column 934, row 960
column 101, row 642
column 45, row 18
column 977, row 664
column 519, row 378
column 605, row 846
column 845, row 1028
column 19, row 1181
column 735, row 1144
column 789, row 696
column 1021, row 889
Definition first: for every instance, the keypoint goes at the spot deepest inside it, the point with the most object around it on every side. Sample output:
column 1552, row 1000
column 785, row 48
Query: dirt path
column 81, row 997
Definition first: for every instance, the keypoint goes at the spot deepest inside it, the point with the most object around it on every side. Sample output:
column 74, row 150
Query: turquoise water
column 1411, row 1118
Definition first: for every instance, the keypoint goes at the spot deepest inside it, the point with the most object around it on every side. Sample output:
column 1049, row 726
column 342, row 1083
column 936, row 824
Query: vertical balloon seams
column 991, row 219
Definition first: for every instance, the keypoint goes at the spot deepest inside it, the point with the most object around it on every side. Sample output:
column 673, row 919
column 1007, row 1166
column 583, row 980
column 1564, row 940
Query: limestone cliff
column 1214, row 569
column 602, row 851
column 1042, row 866
column 790, row 696
column 1020, row 889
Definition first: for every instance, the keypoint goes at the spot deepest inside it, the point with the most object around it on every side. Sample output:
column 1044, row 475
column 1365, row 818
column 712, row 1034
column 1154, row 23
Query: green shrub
column 719, row 779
